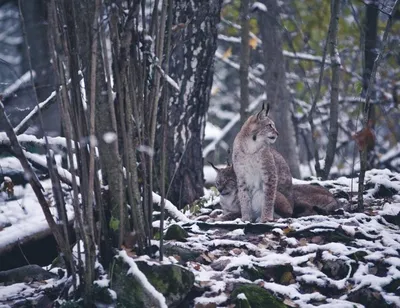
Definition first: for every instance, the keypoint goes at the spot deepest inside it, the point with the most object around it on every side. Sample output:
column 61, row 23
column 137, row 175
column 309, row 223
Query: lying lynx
column 308, row 199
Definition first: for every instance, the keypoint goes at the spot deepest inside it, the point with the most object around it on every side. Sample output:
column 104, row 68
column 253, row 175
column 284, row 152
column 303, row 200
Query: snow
column 25, row 78
column 36, row 109
column 25, row 215
column 259, row 6
column 369, row 233
column 109, row 137
column 134, row 270
column 211, row 131
column 171, row 208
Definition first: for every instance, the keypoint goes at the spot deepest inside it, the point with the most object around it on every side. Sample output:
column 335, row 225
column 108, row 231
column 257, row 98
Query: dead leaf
column 303, row 242
column 237, row 251
column 205, row 257
column 177, row 257
column 227, row 53
column 365, row 138
column 288, row 302
column 253, row 42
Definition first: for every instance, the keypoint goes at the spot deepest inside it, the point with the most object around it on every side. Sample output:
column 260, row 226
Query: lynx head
column 261, row 128
column 225, row 181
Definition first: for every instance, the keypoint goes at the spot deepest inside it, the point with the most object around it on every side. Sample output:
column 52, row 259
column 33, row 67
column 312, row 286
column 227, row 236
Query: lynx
column 256, row 169
column 307, row 199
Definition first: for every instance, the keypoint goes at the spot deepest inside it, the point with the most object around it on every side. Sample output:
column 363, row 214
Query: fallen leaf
column 227, row 53
column 288, row 302
column 253, row 42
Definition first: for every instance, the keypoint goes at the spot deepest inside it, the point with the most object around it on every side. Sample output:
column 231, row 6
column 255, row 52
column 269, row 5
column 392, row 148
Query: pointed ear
column 267, row 110
column 260, row 112
column 212, row 165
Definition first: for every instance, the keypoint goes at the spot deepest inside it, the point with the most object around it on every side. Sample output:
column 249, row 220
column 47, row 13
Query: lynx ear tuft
column 267, row 110
column 260, row 112
column 212, row 165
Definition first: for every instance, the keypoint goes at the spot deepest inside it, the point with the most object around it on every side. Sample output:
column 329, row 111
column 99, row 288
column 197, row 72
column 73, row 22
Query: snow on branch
column 168, row 78
column 65, row 175
column 25, row 78
column 142, row 279
column 24, row 124
column 171, row 208
column 25, row 138
column 231, row 124
column 236, row 66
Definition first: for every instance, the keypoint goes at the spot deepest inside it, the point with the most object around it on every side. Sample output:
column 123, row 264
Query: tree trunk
column 275, row 79
column 334, row 106
column 244, row 60
column 370, row 54
column 191, row 66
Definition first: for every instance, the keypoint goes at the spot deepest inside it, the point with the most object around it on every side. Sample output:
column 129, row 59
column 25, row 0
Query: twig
column 22, row 252
column 25, row 78
column 25, row 123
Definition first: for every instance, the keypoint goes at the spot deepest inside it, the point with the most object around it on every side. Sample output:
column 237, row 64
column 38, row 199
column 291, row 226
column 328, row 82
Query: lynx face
column 226, row 181
column 226, row 184
column 264, row 128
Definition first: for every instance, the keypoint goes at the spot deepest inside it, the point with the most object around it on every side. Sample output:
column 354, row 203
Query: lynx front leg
column 244, row 199
column 270, row 185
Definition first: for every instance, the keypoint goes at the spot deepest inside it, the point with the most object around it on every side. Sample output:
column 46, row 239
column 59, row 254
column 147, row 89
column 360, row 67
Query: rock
column 256, row 296
column 337, row 269
column 219, row 265
column 282, row 274
column 358, row 255
column 27, row 273
column 173, row 281
column 383, row 191
column 184, row 254
column 177, row 233
column 368, row 297
column 39, row 300
column 393, row 287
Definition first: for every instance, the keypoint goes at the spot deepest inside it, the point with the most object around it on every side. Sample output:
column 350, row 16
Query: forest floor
column 344, row 260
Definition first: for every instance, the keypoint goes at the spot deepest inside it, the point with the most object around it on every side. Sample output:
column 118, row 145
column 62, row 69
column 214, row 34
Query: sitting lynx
column 264, row 180
column 256, row 169
column 308, row 199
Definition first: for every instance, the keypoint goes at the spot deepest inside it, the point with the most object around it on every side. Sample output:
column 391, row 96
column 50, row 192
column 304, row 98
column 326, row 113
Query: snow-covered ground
column 329, row 261
column 21, row 217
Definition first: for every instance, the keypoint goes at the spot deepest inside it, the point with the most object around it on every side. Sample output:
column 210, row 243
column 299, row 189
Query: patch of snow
column 259, row 6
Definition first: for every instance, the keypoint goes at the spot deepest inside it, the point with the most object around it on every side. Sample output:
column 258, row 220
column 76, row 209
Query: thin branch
column 27, row 121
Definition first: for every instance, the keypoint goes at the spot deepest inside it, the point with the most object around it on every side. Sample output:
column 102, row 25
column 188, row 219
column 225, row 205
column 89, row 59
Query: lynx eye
column 254, row 137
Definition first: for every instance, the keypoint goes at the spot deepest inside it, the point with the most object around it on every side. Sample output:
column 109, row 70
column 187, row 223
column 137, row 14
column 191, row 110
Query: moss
column 176, row 232
column 256, row 296
column 172, row 281
column 242, row 302
column 102, row 294
column 72, row 304
column 129, row 292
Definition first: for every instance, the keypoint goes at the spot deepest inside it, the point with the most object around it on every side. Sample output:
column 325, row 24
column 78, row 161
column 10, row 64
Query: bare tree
column 192, row 55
